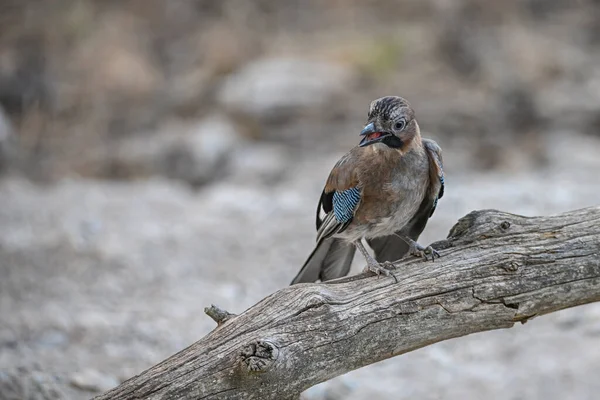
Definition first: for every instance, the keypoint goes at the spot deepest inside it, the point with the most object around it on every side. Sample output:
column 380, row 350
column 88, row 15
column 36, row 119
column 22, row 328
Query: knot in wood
column 259, row 356
column 511, row 266
column 505, row 225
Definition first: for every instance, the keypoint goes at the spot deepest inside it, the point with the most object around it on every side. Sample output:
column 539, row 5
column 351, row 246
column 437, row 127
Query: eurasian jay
column 384, row 191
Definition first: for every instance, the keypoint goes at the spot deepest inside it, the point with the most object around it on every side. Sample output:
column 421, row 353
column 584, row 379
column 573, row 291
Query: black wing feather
column 325, row 205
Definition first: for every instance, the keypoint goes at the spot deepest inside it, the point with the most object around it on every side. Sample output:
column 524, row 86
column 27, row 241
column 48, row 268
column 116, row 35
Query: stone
column 201, row 155
column 263, row 162
column 30, row 384
column 283, row 87
column 193, row 153
column 6, row 132
column 93, row 381
column 5, row 126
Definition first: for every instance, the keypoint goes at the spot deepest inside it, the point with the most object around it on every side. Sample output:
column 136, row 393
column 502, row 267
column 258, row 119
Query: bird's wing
column 436, row 172
column 393, row 248
column 340, row 198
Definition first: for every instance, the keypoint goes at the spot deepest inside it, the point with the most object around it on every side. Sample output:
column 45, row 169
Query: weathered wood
column 496, row 269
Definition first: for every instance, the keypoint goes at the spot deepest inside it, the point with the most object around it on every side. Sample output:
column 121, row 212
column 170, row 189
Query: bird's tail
column 330, row 259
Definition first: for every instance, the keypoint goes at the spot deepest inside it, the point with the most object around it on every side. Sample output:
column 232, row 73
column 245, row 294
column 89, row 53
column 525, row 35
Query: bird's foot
column 383, row 268
column 423, row 252
column 372, row 264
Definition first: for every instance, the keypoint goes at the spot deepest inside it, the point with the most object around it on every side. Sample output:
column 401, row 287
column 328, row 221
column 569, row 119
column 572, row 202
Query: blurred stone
column 5, row 135
column 23, row 73
column 5, row 126
column 93, row 381
column 25, row 384
column 115, row 62
column 544, row 9
column 521, row 111
column 52, row 338
column 457, row 50
column 282, row 87
column 593, row 124
column 194, row 154
column 262, row 161
column 202, row 154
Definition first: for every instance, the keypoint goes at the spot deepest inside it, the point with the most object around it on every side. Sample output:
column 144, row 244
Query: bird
column 384, row 190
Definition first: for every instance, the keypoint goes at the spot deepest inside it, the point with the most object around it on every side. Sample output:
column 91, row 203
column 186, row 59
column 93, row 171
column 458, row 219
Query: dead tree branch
column 496, row 269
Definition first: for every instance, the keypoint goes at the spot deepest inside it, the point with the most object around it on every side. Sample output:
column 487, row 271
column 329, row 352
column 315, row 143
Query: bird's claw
column 423, row 252
column 383, row 268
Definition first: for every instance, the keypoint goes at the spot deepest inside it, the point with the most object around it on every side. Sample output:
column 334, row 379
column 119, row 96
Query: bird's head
column 392, row 122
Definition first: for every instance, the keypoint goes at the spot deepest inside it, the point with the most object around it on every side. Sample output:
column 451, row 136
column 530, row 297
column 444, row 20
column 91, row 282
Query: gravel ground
column 101, row 280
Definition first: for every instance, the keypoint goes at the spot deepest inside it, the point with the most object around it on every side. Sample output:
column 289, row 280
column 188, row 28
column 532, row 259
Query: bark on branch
column 496, row 269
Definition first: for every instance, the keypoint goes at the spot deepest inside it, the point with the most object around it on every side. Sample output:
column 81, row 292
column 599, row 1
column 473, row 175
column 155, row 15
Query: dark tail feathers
column 330, row 259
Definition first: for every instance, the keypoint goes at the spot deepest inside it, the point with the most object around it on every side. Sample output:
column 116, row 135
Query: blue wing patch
column 344, row 204
column 440, row 194
column 443, row 183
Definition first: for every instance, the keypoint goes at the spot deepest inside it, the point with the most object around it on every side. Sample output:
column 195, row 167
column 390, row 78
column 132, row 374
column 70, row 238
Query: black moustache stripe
column 393, row 141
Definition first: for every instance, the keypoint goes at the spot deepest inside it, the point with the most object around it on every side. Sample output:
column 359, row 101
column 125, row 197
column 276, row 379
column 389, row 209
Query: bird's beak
column 370, row 128
column 371, row 135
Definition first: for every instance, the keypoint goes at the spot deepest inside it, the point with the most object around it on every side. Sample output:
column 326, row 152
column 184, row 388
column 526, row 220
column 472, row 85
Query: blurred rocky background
column 159, row 156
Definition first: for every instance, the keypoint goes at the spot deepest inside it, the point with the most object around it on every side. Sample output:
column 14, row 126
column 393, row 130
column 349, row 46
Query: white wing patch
column 322, row 213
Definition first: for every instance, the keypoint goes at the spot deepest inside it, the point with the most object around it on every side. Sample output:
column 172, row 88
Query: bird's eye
column 399, row 125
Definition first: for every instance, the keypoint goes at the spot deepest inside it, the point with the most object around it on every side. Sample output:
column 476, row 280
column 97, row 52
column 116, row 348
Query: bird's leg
column 372, row 264
column 415, row 249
